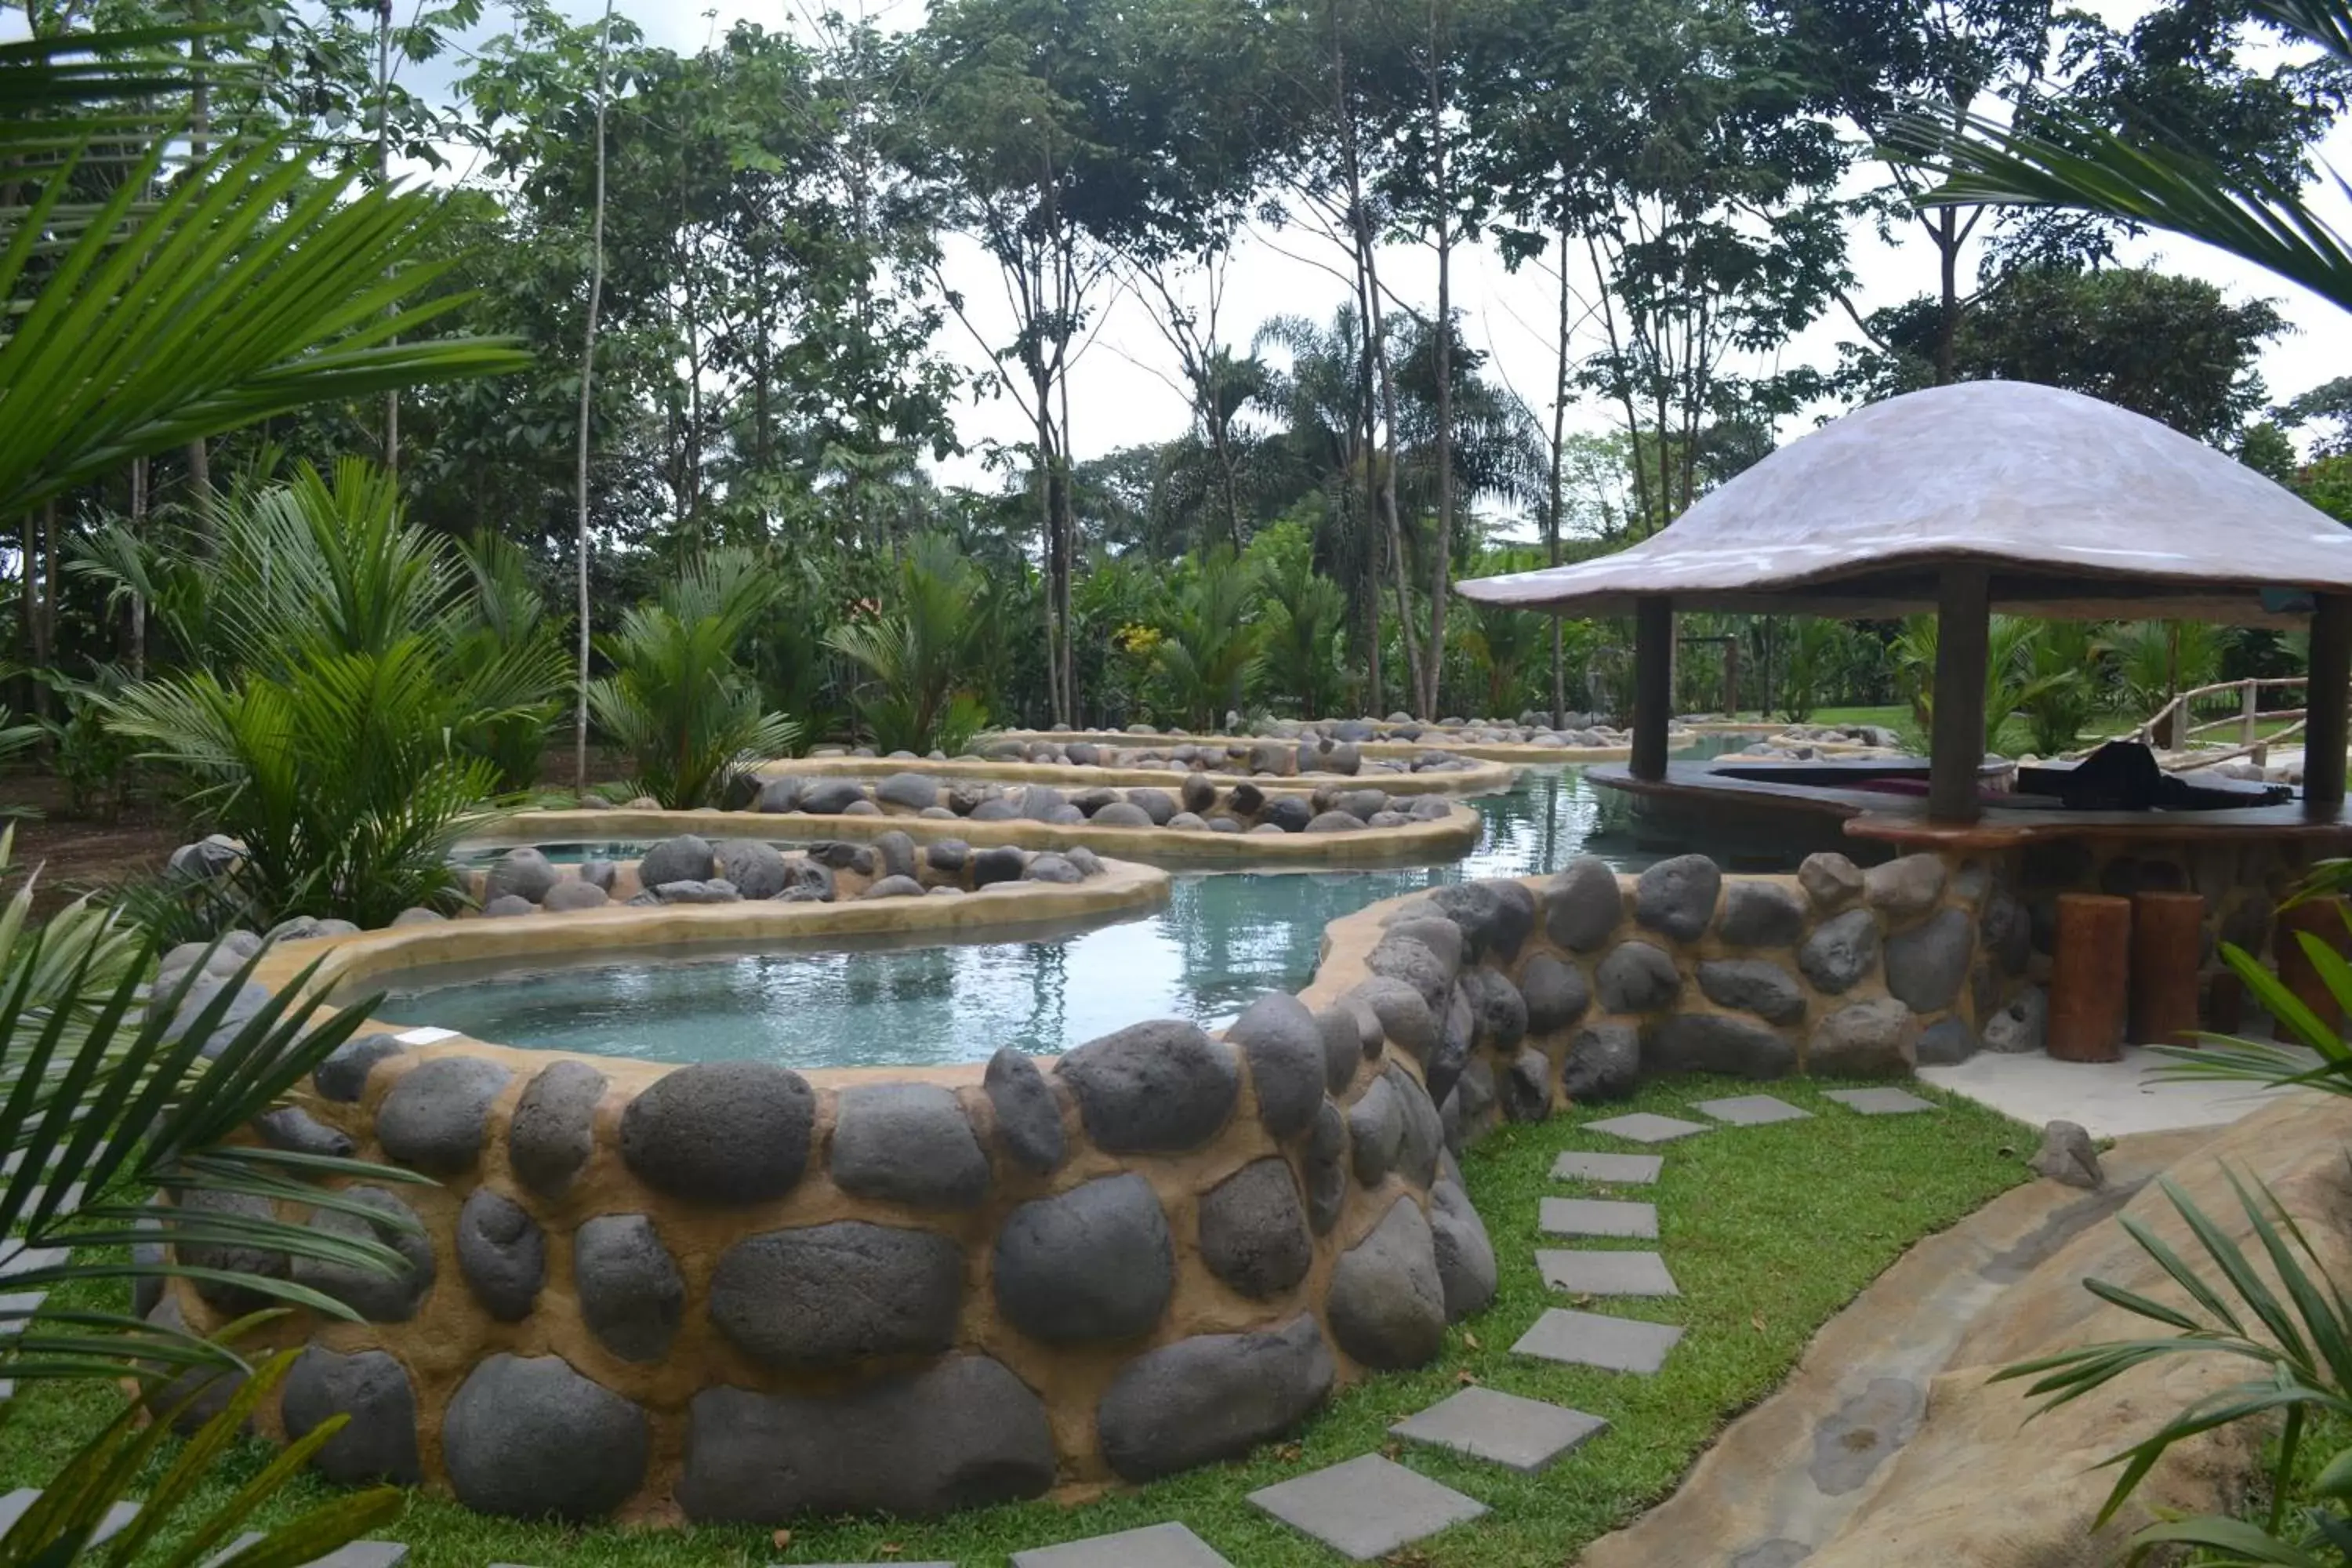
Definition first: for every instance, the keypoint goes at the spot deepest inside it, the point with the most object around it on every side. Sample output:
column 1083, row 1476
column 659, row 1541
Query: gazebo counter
column 1578, row 985
column 1389, row 750
column 1418, row 843
column 347, row 966
column 1482, row 778
column 728, row 1292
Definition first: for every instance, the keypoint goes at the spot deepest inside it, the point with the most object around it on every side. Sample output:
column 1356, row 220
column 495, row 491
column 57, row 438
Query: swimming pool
column 1221, row 942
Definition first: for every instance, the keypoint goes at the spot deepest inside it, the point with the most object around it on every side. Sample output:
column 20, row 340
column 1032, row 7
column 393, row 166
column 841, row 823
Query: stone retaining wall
column 1441, row 772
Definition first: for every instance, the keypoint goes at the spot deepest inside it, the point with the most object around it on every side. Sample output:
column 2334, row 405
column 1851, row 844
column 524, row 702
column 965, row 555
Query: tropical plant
column 2057, row 161
column 1299, row 650
column 505, row 624
column 1209, row 640
column 250, row 287
column 92, row 760
column 335, row 725
column 2011, row 683
column 919, row 652
column 2063, row 670
column 2156, row 660
column 677, row 702
column 1814, row 649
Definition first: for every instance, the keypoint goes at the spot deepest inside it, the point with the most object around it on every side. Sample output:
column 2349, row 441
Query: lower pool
column 1222, row 940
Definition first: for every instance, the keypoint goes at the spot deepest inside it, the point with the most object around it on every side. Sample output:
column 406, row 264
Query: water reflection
column 1221, row 942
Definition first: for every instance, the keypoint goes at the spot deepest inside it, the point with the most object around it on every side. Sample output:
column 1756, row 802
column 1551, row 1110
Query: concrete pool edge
column 1486, row 778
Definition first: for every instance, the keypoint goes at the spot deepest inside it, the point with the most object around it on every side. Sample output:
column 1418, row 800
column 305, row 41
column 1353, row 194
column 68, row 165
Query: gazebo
column 1957, row 500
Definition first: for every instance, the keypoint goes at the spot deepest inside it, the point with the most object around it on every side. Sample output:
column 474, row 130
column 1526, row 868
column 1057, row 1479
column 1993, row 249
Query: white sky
column 1124, row 385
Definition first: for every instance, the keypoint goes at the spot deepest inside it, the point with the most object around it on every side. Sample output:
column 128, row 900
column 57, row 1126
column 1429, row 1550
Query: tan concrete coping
column 1491, row 778
column 1418, row 843
column 350, row 966
column 1485, row 751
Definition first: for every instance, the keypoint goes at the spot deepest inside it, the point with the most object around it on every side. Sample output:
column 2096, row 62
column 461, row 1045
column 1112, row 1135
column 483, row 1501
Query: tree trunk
column 1440, row 572
column 200, row 98
column 384, row 178
column 1946, row 231
column 136, row 618
column 587, row 386
column 1554, row 485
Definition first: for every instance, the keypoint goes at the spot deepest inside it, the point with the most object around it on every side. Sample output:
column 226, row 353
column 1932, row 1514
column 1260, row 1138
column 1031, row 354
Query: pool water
column 1221, row 942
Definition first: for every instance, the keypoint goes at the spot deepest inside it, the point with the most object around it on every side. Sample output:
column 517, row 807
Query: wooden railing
column 2165, row 728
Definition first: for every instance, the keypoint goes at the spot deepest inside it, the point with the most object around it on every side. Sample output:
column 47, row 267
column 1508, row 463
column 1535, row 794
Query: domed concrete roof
column 2079, row 508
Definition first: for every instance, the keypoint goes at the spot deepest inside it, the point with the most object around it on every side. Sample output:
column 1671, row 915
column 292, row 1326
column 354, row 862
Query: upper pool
column 1221, row 942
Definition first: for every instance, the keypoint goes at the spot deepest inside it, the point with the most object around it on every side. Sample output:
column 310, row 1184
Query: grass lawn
column 1768, row 1230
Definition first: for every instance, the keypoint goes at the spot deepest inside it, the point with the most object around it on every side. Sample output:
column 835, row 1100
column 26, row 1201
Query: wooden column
column 1653, row 685
column 1956, row 750
column 2167, row 929
column 2090, row 974
column 2325, row 735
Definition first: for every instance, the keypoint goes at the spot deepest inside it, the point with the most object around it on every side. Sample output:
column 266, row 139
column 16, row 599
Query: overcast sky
column 1125, row 388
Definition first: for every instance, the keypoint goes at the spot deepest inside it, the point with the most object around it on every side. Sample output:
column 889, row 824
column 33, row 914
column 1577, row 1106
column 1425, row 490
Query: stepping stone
column 1169, row 1545
column 34, row 1257
column 1647, row 1127
column 1632, row 1169
column 14, row 1506
column 16, row 1308
column 1366, row 1508
column 1527, row 1435
column 1595, row 1338
column 1605, row 1273
column 353, row 1554
column 1752, row 1110
column 1598, row 1216
column 1881, row 1101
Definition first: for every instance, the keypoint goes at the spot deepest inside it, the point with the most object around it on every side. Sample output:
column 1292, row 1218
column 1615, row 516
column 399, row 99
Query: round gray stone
column 909, row 791
column 894, row 887
column 1284, row 1046
column 1717, row 1043
column 571, row 896
column 1212, row 1397
column 525, row 873
column 631, row 1293
column 378, row 1297
column 1499, row 1011
column 1760, row 914
column 1945, row 1042
column 755, row 865
column 962, row 1434
column 1326, row 1170
column 834, row 1295
column 832, row 797
column 507, row 906
column 1424, row 1129
column 999, row 863
column 1387, row 1304
column 1927, row 964
column 529, row 1437
column 1119, row 814
column 1288, row 813
column 1404, row 1017
column 1864, row 1038
column 296, row 1130
column 502, row 1254
column 778, row 796
column 1840, row 951
column 1556, row 993
column 1090, row 1264
column 1028, row 1114
column 1252, row 1230
column 1583, row 905
column 1157, row 805
column 1753, row 986
column 1465, row 1258
column 433, row 1117
column 1637, row 977
column 1412, row 962
column 2022, row 1026
column 1349, row 1033
column 378, row 1442
column 1830, row 880
column 1154, row 1088
column 1603, row 1062
column 1376, row 1130
column 1525, row 1088
column 1676, row 897
column 685, row 859
column 908, row 1143
column 235, row 1258
column 1419, row 921
column 896, row 850
column 1905, row 888
column 553, row 1130
column 721, row 1132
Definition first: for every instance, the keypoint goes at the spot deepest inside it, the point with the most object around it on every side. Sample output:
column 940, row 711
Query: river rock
column 1465, row 1258
column 1500, row 1012
column 1376, row 1130
column 964, row 1433
column 378, row 1297
column 1284, row 1046
column 685, row 859
column 1212, row 1397
column 502, row 1254
column 1830, row 880
column 1864, row 1037
column 1753, row 986
column 1387, row 1304
column 1153, row 1087
column 2068, row 1155
column 831, row 797
column 908, row 792
column 998, row 863
column 1093, row 1263
column 1905, row 888
column 1556, row 993
column 1760, row 914
column 552, row 1130
column 1252, row 1230
column 1926, row 965
column 908, row 1143
column 778, row 796
column 1326, row 1170
column 1157, row 805
column 1637, row 977
column 525, row 873
column 835, row 1295
column 434, row 1117
column 2021, row 1027
column 755, row 865
column 1424, row 1129
column 571, row 896
column 231, row 1256
column 1525, row 1088
column 1945, row 1042
column 631, row 1293
column 1028, row 1114
column 378, row 1441
column 529, row 1437
column 1404, row 1015
column 1840, row 951
column 1717, row 1043
column 1676, row 897
column 296, row 1131
column 721, row 1132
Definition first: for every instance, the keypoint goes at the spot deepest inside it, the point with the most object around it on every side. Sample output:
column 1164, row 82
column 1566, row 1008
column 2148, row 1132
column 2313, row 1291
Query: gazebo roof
column 2080, row 509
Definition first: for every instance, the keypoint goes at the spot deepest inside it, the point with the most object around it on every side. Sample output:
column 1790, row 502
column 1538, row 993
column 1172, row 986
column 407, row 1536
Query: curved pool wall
column 1462, row 775
column 1219, row 942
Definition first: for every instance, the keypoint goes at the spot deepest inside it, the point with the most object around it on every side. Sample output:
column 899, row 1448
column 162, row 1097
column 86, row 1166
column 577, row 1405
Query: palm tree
column 2089, row 169
column 678, row 700
column 922, row 652
column 1211, row 639
column 1298, row 656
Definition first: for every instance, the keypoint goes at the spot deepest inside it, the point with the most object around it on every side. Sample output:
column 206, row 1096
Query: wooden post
column 2088, row 976
column 1731, row 676
column 2167, row 928
column 1653, row 690
column 1956, row 750
column 2324, row 736
column 2249, row 712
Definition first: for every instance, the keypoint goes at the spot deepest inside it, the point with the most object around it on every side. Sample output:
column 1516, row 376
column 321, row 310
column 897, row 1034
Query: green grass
column 1768, row 1231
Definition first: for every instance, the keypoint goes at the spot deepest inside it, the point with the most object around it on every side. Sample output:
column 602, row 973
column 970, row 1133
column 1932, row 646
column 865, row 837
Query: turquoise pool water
column 1222, row 940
